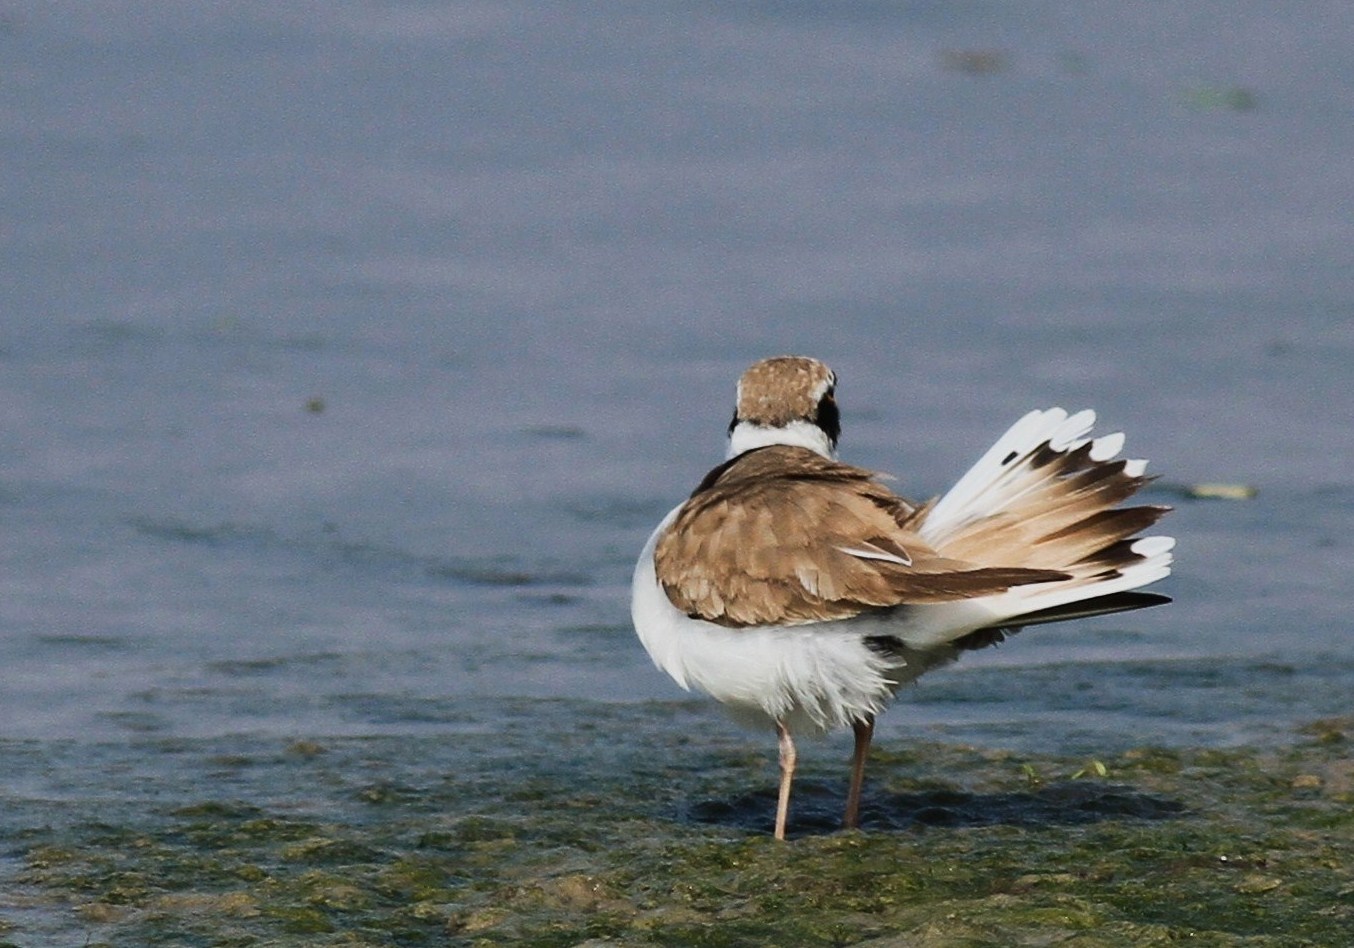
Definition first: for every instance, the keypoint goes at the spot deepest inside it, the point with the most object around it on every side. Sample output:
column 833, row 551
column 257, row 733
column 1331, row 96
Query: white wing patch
column 871, row 552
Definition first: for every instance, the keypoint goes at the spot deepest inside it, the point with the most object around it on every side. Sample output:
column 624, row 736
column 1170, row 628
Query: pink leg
column 864, row 731
column 787, row 773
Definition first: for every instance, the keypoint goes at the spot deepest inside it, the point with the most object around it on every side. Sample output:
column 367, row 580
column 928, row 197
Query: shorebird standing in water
column 802, row 593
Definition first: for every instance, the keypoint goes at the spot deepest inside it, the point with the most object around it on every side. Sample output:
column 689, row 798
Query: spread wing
column 781, row 535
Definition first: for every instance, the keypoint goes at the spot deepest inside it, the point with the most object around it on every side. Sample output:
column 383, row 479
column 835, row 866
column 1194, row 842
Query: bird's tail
column 1046, row 496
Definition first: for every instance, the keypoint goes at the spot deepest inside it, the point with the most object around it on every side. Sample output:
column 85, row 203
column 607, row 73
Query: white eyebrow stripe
column 875, row 554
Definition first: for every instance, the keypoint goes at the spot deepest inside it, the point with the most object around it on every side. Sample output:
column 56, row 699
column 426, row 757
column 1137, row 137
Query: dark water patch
column 603, row 632
column 817, row 808
column 137, row 722
column 328, row 547
column 406, row 709
column 326, row 543
column 182, row 531
column 1173, row 696
column 279, row 664
column 497, row 570
column 549, row 432
column 263, row 538
column 548, row 599
column 504, row 571
column 93, row 643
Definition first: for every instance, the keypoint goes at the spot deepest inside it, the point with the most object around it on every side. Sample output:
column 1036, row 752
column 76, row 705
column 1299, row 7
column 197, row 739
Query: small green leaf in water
column 1093, row 768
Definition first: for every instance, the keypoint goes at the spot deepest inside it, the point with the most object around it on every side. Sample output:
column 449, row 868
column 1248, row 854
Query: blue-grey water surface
column 349, row 350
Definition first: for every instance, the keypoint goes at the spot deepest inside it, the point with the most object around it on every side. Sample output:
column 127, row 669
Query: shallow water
column 472, row 837
column 349, row 352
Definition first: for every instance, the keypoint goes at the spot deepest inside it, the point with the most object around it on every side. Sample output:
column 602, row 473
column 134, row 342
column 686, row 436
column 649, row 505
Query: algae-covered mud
column 545, row 829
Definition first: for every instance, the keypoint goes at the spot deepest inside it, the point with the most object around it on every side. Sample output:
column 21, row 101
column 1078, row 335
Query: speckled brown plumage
column 765, row 539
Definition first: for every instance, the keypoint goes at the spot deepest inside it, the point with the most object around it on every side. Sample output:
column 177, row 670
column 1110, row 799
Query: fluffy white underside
column 815, row 677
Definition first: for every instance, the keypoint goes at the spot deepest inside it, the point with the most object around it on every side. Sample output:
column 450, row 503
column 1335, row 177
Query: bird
column 802, row 593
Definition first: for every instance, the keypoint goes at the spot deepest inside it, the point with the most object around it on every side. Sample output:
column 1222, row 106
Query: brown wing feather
column 1068, row 521
column 761, row 541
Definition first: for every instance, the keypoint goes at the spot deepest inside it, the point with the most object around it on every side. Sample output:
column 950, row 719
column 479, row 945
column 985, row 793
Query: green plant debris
column 669, row 845
column 1209, row 490
column 1217, row 491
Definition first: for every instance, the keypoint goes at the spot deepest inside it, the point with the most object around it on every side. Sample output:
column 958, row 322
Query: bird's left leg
column 864, row 731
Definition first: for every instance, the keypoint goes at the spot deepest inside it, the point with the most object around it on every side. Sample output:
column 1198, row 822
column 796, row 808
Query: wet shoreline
column 644, row 825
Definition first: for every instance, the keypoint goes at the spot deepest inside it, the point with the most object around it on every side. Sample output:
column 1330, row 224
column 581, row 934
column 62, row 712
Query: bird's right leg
column 787, row 773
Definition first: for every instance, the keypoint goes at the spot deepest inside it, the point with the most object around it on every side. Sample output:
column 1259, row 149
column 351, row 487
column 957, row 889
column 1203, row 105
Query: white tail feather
column 1004, row 476
column 1019, row 600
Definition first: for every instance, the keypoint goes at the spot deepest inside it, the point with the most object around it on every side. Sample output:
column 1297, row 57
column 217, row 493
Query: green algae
column 666, row 843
